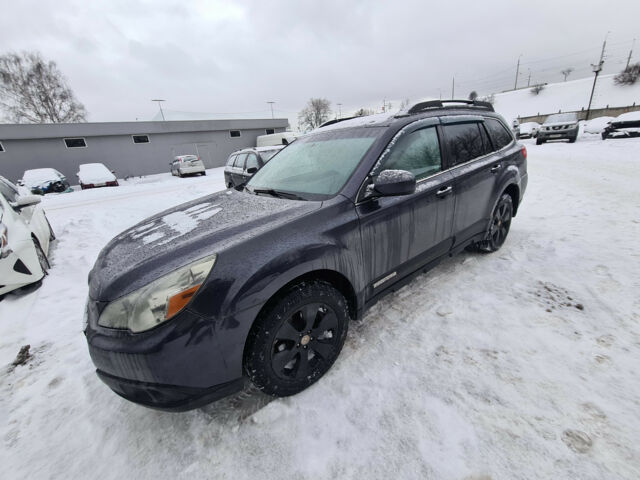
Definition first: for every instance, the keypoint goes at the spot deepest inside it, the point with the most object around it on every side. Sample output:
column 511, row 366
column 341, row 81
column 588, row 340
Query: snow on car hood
column 183, row 234
column 39, row 176
column 95, row 173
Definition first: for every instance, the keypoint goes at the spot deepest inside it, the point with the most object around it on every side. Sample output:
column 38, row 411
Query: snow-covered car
column 25, row 235
column 560, row 126
column 243, row 164
column 40, row 181
column 528, row 130
column 625, row 125
column 93, row 175
column 187, row 165
column 595, row 126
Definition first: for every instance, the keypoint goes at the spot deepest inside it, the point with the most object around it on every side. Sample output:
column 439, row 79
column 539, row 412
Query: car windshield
column 562, row 117
column 317, row 166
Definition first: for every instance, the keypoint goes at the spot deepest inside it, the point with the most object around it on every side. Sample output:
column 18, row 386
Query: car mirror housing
column 252, row 170
column 26, row 201
column 390, row 183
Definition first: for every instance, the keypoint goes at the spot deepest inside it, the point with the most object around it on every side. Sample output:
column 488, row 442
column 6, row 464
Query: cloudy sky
column 232, row 57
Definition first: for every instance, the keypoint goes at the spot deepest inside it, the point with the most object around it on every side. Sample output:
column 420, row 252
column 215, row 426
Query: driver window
column 417, row 152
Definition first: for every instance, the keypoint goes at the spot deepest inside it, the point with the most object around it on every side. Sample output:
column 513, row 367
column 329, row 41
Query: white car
column 44, row 180
column 529, row 129
column 93, row 175
column 187, row 165
column 25, row 236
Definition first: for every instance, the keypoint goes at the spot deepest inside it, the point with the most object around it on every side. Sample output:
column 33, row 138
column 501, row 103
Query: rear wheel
column 539, row 141
column 500, row 225
column 297, row 340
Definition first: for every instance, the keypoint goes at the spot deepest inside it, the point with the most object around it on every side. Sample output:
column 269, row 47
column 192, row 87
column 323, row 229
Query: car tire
column 604, row 136
column 42, row 258
column 52, row 235
column 229, row 185
column 499, row 226
column 539, row 141
column 204, row 174
column 573, row 139
column 297, row 339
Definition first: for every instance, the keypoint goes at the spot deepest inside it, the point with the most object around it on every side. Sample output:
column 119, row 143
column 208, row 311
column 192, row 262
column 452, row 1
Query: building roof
column 93, row 129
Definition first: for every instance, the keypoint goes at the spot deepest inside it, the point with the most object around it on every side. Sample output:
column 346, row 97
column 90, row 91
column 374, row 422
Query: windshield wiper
column 277, row 193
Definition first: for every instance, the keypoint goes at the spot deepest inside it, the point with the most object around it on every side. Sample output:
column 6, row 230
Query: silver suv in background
column 187, row 165
column 561, row 126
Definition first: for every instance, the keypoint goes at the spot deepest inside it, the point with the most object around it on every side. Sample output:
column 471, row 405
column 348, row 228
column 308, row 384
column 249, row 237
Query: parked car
column 560, row 126
column 623, row 126
column 264, row 281
column 596, row 125
column 25, row 235
column 187, row 165
column 528, row 130
column 515, row 128
column 243, row 164
column 41, row 181
column 274, row 139
column 94, row 175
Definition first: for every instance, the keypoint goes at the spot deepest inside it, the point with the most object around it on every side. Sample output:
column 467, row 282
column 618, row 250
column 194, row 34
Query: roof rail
column 335, row 120
column 422, row 106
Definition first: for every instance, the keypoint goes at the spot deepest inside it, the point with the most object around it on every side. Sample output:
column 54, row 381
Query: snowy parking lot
column 519, row 364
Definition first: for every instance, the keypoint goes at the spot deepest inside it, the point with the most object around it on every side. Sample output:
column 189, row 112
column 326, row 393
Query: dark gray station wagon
column 261, row 283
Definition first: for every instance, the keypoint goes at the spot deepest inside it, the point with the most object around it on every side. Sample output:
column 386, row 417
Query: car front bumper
column 20, row 267
column 176, row 366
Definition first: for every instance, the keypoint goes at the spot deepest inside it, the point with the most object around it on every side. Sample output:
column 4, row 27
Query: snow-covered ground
column 519, row 364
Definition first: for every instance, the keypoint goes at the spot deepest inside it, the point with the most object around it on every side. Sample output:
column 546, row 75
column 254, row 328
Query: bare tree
column 314, row 114
column 536, row 89
column 628, row 76
column 566, row 72
column 404, row 104
column 473, row 95
column 33, row 90
column 363, row 112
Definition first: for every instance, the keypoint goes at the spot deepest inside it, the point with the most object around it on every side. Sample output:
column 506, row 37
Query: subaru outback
column 262, row 283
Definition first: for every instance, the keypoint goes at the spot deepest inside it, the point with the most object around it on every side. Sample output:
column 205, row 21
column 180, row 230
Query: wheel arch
column 514, row 192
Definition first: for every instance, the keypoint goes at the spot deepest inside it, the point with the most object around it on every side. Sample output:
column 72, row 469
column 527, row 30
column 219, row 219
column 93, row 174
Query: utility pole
column 596, row 70
column 630, row 52
column 453, row 88
column 159, row 102
column 529, row 79
column 515, row 86
column 339, row 110
column 271, row 105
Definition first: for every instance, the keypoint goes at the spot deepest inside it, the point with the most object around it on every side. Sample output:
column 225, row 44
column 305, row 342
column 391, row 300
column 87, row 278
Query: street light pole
column 596, row 70
column 515, row 86
column 271, row 105
column 159, row 102
column 339, row 110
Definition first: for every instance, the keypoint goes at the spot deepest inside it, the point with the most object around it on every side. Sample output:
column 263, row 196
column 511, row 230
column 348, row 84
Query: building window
column 269, row 131
column 75, row 142
column 234, row 133
column 140, row 138
column 1, row 147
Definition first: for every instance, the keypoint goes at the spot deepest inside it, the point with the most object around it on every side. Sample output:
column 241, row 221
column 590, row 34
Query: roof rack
column 335, row 120
column 422, row 106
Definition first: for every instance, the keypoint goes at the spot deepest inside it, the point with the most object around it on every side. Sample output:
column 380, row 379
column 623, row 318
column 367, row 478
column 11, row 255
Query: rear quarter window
column 230, row 160
column 499, row 134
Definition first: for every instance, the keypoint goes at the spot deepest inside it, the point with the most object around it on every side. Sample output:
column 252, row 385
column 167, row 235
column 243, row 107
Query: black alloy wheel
column 500, row 224
column 298, row 340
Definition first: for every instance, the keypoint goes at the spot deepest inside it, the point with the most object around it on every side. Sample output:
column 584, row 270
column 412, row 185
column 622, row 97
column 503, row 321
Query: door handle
column 443, row 192
column 495, row 168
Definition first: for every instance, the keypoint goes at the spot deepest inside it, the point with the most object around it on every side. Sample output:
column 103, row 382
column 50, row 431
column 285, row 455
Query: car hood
column 556, row 124
column 183, row 234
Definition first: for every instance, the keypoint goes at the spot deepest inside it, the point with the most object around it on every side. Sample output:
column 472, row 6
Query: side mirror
column 252, row 170
column 390, row 183
column 26, row 201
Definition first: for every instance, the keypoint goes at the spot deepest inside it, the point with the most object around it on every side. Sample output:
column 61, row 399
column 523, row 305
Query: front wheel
column 499, row 226
column 297, row 340
column 539, row 141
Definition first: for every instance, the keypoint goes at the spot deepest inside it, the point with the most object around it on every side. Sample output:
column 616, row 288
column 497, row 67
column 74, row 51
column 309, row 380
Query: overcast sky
column 218, row 57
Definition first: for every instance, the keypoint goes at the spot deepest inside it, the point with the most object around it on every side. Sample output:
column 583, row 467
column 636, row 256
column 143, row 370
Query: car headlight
column 158, row 301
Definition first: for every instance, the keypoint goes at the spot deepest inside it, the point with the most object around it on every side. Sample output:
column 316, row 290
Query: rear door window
column 239, row 163
column 464, row 142
column 417, row 152
column 500, row 136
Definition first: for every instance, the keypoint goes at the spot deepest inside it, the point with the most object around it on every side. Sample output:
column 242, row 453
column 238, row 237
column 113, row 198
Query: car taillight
column 524, row 152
